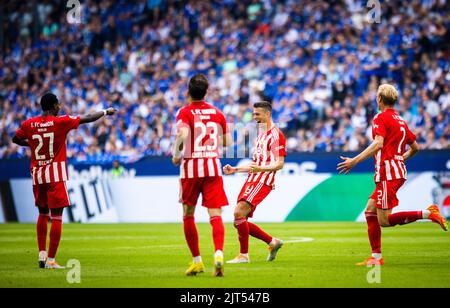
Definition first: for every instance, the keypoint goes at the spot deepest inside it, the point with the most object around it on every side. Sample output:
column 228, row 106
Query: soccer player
column 201, row 129
column 46, row 137
column 268, row 157
column 391, row 134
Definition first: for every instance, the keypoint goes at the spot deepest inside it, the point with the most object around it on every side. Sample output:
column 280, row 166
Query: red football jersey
column 267, row 148
column 47, row 139
column 206, row 125
column 389, row 162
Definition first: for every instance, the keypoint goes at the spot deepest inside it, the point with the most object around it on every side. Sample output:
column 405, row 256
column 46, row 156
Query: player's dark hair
column 48, row 101
column 263, row 104
column 198, row 85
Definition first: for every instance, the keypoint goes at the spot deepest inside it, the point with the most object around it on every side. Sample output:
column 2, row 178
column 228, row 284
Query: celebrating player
column 201, row 128
column 46, row 136
column 391, row 134
column 268, row 158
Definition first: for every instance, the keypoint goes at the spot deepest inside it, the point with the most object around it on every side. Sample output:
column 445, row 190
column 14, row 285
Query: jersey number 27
column 51, row 137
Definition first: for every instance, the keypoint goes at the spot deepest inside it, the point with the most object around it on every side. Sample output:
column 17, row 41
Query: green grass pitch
column 156, row 255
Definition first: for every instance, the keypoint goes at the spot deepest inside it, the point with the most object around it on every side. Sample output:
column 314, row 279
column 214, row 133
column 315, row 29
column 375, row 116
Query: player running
column 201, row 128
column 391, row 134
column 268, row 157
column 46, row 137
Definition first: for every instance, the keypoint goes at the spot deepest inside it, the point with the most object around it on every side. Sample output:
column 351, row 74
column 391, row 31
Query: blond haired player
column 391, row 135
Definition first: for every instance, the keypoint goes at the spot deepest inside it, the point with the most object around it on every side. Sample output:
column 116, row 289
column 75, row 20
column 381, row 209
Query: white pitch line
column 299, row 240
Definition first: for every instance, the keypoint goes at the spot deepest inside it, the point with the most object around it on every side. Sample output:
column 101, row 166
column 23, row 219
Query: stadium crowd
column 319, row 62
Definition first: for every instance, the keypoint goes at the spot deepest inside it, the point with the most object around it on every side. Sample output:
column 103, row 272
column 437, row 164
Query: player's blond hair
column 388, row 94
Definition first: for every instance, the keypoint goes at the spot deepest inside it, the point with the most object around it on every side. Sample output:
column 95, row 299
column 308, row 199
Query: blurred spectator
column 320, row 64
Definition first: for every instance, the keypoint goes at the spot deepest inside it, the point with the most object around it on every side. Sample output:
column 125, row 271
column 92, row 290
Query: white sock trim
column 274, row 240
column 377, row 256
column 197, row 259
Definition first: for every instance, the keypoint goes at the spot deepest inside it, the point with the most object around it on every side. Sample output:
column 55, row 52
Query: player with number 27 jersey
column 47, row 138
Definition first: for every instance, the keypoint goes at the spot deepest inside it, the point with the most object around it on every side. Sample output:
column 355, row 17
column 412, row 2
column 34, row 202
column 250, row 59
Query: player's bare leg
column 55, row 238
column 218, row 232
column 374, row 233
column 241, row 212
column 41, row 231
column 191, row 235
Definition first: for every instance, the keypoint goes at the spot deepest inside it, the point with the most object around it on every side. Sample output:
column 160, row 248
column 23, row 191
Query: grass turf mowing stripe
column 156, row 255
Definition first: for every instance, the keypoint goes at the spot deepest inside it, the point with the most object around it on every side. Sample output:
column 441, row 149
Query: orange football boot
column 371, row 261
column 436, row 217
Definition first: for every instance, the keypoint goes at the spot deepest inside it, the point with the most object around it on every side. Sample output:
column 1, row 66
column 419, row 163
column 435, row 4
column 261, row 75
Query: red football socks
column 218, row 232
column 191, row 235
column 41, row 230
column 374, row 231
column 243, row 231
column 257, row 232
column 403, row 218
column 55, row 236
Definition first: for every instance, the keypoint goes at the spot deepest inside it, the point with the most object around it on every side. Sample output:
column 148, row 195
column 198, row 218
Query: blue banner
column 312, row 162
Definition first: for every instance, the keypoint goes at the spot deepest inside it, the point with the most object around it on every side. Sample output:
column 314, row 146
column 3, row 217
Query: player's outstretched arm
column 89, row 118
column 413, row 149
column 228, row 169
column 254, row 168
column 21, row 142
column 348, row 163
column 277, row 165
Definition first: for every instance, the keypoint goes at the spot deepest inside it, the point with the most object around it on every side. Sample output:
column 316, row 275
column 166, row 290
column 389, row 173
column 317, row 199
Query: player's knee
column 384, row 222
column 371, row 209
column 188, row 210
column 239, row 214
column 241, row 211
column 371, row 206
column 214, row 212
